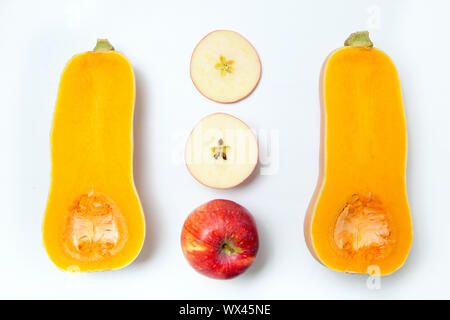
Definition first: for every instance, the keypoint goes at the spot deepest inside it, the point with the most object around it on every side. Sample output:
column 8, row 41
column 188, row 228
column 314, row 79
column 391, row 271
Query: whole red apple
column 219, row 239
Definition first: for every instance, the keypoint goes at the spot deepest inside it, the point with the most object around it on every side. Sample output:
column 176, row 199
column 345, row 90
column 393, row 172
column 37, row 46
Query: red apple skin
column 206, row 230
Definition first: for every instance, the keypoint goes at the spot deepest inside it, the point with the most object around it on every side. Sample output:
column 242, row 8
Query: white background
column 293, row 38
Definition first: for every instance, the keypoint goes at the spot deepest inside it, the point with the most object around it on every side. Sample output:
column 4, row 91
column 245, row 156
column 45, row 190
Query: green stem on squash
column 103, row 45
column 359, row 39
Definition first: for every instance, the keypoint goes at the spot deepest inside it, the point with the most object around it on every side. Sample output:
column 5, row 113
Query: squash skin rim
column 131, row 181
column 321, row 180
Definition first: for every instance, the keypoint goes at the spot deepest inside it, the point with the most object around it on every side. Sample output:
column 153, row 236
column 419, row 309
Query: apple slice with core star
column 219, row 239
column 221, row 151
column 225, row 67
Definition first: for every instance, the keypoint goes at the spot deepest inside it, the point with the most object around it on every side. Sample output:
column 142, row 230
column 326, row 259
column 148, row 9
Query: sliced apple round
column 221, row 151
column 225, row 67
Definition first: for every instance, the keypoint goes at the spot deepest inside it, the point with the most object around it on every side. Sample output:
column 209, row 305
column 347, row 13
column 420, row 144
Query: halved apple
column 221, row 151
column 225, row 67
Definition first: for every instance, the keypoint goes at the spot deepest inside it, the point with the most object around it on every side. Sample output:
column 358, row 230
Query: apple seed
column 220, row 151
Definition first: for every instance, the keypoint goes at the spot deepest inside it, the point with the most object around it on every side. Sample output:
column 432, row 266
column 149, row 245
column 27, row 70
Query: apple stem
column 228, row 247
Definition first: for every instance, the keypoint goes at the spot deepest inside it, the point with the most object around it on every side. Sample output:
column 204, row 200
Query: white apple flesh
column 225, row 67
column 221, row 151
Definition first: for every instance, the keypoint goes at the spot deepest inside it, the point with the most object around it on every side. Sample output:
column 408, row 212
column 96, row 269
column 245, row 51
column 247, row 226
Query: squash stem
column 359, row 39
column 103, row 45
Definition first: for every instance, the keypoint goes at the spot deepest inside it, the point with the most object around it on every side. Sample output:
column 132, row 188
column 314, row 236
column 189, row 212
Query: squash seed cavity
column 95, row 228
column 362, row 229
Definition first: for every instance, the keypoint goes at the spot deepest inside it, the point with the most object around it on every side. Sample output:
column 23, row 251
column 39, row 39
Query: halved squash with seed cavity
column 94, row 220
column 359, row 219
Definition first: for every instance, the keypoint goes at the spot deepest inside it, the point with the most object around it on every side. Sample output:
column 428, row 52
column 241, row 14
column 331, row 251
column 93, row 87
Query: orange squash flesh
column 358, row 219
column 94, row 220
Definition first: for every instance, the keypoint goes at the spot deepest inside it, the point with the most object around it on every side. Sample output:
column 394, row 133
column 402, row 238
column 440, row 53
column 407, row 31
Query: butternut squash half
column 358, row 219
column 94, row 220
